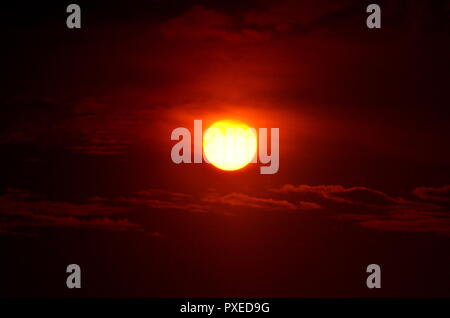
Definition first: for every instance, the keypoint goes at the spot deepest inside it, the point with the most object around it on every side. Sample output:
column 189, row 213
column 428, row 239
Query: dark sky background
column 86, row 175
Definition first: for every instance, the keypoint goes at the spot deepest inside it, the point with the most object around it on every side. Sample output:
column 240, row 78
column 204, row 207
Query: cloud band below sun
column 427, row 210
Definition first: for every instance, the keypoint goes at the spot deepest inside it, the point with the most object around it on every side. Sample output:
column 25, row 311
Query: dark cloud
column 375, row 209
column 162, row 200
column 22, row 202
column 243, row 200
column 410, row 222
column 430, row 193
column 360, row 195
column 22, row 212
column 368, row 207
column 309, row 206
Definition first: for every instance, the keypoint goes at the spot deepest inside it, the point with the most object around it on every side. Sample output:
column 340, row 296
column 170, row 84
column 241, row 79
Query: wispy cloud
column 378, row 210
column 244, row 200
column 430, row 193
column 20, row 209
column 162, row 199
column 368, row 207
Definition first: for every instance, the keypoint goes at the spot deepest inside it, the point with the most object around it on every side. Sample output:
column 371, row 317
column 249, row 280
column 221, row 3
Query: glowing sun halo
column 229, row 145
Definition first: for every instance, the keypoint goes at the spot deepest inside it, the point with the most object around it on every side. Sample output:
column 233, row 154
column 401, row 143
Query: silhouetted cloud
column 377, row 210
column 430, row 193
column 244, row 200
column 368, row 207
column 21, row 209
column 305, row 205
column 162, row 199
column 200, row 24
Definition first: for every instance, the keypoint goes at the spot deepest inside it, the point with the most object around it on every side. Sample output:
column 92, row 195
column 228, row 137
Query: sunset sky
column 86, row 175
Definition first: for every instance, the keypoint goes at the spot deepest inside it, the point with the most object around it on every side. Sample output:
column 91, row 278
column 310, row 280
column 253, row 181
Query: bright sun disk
column 229, row 145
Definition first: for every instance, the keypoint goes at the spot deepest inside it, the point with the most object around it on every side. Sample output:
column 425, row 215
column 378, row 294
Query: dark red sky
column 86, row 175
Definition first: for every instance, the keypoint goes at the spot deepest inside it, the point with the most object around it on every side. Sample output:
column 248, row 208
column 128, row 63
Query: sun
column 229, row 145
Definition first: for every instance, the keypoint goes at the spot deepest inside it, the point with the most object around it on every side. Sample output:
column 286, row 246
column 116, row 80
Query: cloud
column 21, row 209
column 258, row 24
column 156, row 235
column 103, row 223
column 243, row 200
column 295, row 16
column 368, row 207
column 410, row 223
column 375, row 209
column 429, row 193
column 357, row 195
column 86, row 125
column 162, row 199
column 199, row 24
column 22, row 202
column 305, row 205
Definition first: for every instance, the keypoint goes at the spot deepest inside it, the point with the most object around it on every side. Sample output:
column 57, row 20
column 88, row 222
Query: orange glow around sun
column 229, row 145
